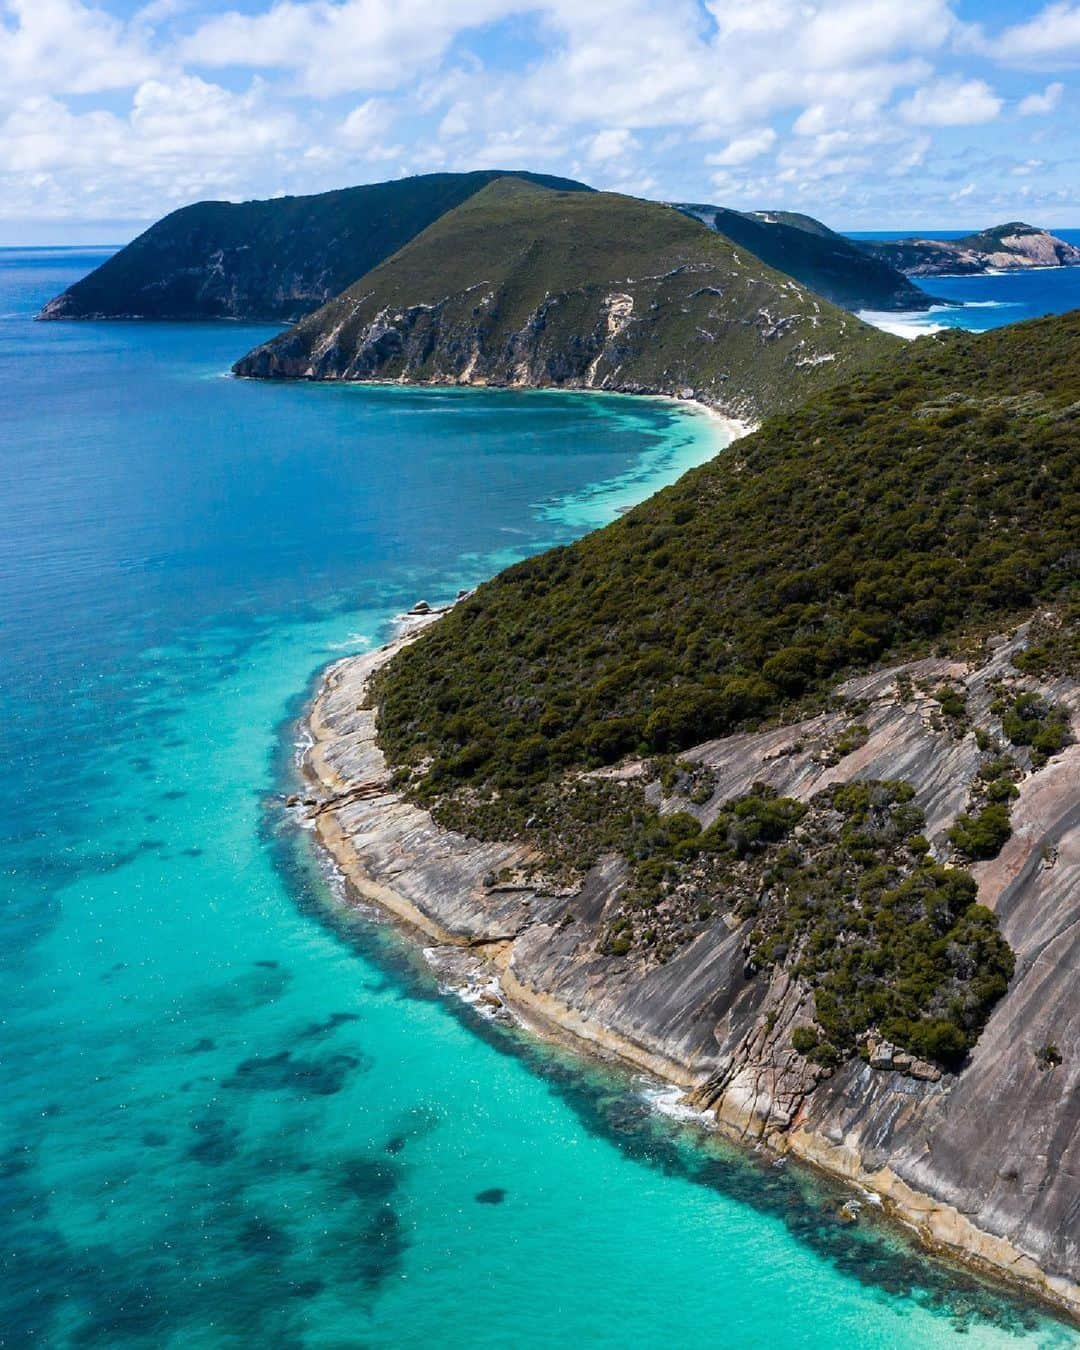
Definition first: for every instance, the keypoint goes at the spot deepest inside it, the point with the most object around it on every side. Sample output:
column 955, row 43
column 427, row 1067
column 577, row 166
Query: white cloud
column 744, row 148
column 639, row 95
column 1035, row 105
column 180, row 140
column 332, row 47
column 1050, row 40
column 952, row 103
column 66, row 47
column 610, row 145
column 367, row 124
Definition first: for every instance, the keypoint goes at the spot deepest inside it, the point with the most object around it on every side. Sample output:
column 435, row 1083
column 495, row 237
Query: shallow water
column 235, row 1113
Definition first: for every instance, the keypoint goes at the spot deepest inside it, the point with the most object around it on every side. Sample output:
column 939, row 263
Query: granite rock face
column 1011, row 247
column 985, row 1161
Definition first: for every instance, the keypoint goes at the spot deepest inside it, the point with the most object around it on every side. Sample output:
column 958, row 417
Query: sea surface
column 234, row 1112
column 982, row 302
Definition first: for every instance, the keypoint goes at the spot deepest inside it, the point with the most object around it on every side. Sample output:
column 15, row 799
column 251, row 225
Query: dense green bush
column 982, row 835
column 934, row 497
column 1029, row 719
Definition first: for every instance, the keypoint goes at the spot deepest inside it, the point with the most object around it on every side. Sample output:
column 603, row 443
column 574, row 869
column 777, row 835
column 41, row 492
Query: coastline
column 392, row 854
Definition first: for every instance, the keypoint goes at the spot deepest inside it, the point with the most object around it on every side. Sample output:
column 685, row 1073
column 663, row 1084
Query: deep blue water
column 236, row 1112
column 985, row 301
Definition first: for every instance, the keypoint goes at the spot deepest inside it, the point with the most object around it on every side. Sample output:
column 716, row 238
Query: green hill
column 915, row 503
column 811, row 253
column 525, row 286
column 267, row 260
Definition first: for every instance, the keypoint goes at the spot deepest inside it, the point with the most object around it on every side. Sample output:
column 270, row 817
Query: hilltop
column 824, row 261
column 267, row 260
column 1013, row 246
column 526, row 286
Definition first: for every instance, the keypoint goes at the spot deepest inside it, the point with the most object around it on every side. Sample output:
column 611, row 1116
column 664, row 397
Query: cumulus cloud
column 811, row 103
column 1051, row 39
column 744, row 148
column 65, row 47
column 181, row 139
column 610, row 145
column 366, row 124
column 952, row 103
column 333, row 48
column 1036, row 105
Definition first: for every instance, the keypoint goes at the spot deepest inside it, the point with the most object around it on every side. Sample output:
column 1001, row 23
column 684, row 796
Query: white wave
column 907, row 324
column 670, row 1101
column 354, row 641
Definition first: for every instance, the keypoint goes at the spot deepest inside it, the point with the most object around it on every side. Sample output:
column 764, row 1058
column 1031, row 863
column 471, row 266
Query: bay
column 235, row 1111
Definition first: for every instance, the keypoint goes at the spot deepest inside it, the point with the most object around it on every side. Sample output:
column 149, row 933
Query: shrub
column 982, row 836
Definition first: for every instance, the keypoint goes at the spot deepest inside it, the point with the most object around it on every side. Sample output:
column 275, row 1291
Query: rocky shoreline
column 1001, row 1199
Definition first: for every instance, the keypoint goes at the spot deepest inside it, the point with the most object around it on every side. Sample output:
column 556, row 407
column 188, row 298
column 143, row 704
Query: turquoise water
column 235, row 1112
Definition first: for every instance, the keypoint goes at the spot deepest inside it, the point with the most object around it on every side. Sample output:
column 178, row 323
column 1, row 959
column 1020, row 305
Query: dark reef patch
column 260, row 1237
column 316, row 1030
column 216, row 1141
column 381, row 1248
column 369, row 1180
column 494, row 1195
column 284, row 1073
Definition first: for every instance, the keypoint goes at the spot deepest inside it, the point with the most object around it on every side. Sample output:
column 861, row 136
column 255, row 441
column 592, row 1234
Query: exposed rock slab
column 985, row 1162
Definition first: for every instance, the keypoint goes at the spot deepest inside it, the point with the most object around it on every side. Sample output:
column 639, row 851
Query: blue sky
column 867, row 113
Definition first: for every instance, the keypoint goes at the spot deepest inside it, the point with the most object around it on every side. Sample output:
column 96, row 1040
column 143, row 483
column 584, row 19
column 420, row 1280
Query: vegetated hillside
column 524, row 286
column 928, row 500
column 796, row 220
column 1004, row 247
column 267, row 260
column 826, row 262
column 916, row 502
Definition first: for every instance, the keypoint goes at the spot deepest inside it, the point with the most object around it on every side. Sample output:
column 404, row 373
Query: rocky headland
column 982, row 1162
column 525, row 287
column 1004, row 248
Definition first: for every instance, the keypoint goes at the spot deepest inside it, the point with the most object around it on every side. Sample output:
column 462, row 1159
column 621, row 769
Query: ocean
column 982, row 302
column 235, row 1111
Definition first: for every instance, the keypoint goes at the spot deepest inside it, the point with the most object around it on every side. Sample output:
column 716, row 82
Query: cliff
column 1011, row 247
column 267, row 260
column 820, row 259
column 743, row 786
column 523, row 286
column 1001, row 1196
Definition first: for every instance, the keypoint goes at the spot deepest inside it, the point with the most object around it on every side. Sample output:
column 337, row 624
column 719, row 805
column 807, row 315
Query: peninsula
column 770, row 789
column 1005, row 248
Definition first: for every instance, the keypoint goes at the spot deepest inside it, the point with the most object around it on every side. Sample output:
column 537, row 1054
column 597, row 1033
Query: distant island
column 272, row 261
column 770, row 787
column 829, row 263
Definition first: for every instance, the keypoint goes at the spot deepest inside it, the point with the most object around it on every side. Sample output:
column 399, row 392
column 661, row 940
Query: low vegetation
column 525, row 286
column 885, row 517
column 917, row 506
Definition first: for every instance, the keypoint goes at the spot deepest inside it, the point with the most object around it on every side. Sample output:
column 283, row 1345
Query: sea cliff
column 982, row 1162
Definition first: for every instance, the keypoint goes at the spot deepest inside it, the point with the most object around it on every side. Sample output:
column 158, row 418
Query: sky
column 869, row 114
